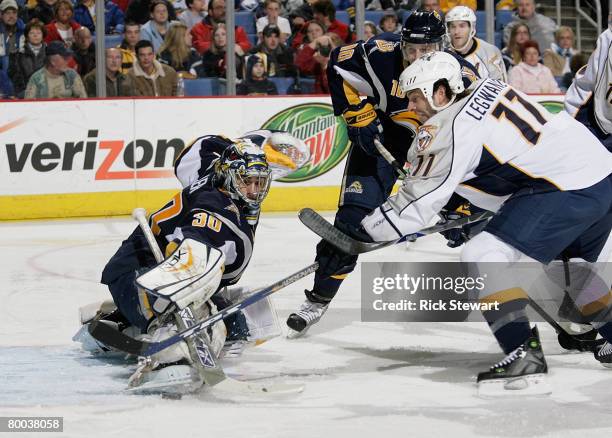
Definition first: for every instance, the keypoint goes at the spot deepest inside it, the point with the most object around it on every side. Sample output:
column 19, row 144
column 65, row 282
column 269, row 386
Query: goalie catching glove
column 363, row 126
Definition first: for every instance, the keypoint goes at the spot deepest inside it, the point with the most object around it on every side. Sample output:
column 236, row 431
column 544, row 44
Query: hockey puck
column 169, row 396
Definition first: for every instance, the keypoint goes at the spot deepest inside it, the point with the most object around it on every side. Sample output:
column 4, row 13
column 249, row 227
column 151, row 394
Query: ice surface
column 362, row 379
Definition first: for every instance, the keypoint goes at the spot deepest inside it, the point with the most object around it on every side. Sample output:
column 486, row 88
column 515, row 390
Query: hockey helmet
column 462, row 13
column 426, row 71
column 423, row 27
column 244, row 172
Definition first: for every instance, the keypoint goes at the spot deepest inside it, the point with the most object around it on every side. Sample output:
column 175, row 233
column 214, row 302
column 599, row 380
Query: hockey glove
column 363, row 126
column 455, row 236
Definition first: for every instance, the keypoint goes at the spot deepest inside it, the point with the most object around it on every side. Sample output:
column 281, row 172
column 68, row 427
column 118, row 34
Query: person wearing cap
column 11, row 32
column 279, row 56
column 55, row 80
column 273, row 10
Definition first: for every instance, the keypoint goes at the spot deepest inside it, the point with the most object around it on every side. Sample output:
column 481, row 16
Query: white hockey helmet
column 461, row 13
column 429, row 69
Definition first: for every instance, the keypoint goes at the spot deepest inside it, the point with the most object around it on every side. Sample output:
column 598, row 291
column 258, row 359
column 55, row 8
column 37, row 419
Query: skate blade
column 530, row 385
column 294, row 334
column 606, row 365
column 178, row 380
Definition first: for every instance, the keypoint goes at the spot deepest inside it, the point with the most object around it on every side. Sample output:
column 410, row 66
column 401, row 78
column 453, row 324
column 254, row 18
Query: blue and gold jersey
column 372, row 68
column 201, row 212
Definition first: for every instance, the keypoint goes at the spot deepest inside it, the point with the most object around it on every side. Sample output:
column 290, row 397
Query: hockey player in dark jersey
column 213, row 219
column 371, row 69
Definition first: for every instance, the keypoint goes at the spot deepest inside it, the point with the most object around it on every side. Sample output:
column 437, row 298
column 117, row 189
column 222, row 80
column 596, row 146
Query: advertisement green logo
column 552, row 106
column 324, row 133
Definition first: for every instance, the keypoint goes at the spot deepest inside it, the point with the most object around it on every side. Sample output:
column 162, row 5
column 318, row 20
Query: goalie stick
column 123, row 342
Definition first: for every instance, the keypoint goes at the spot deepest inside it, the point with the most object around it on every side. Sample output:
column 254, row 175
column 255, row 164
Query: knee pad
column 485, row 247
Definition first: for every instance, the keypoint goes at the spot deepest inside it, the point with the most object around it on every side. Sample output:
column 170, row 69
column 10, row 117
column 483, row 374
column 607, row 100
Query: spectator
column 30, row 58
column 117, row 84
column 6, row 87
column 325, row 12
column 273, row 9
column 194, row 13
column 369, row 30
column 177, row 51
column 131, row 36
column 213, row 62
column 123, row 4
column 139, row 11
column 156, row 28
column 431, row 6
column 11, row 32
column 541, row 27
column 84, row 51
column 279, row 58
column 578, row 61
column 256, row 82
column 298, row 25
column 55, row 80
column 44, row 11
column 313, row 30
column 85, row 12
column 389, row 23
column 511, row 54
column 557, row 58
column 313, row 59
column 529, row 75
column 149, row 76
column 202, row 31
column 63, row 27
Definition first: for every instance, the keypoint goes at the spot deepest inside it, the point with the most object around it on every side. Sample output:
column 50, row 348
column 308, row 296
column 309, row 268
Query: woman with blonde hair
column 512, row 52
column 557, row 57
column 177, row 51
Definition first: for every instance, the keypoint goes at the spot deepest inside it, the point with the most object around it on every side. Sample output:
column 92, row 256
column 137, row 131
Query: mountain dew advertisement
column 324, row 133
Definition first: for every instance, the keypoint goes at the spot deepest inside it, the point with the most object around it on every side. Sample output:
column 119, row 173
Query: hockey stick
column 123, row 342
column 317, row 224
column 387, row 156
column 582, row 342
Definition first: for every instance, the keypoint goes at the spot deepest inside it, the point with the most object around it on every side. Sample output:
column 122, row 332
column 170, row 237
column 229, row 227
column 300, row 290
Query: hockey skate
column 604, row 355
column 170, row 371
column 307, row 315
column 522, row 372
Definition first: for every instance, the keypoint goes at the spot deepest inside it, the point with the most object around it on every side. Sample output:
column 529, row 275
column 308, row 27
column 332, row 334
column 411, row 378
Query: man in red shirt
column 324, row 11
column 202, row 32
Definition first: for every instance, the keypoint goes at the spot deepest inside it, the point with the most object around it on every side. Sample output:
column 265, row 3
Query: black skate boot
column 309, row 313
column 604, row 355
column 522, row 372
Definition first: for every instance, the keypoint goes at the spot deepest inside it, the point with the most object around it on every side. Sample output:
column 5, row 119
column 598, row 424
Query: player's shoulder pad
column 468, row 71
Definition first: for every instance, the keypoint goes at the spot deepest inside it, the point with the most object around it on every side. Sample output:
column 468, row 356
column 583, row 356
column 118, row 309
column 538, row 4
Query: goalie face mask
column 246, row 171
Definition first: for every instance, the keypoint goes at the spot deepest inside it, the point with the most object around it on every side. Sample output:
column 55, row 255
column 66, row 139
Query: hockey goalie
column 207, row 233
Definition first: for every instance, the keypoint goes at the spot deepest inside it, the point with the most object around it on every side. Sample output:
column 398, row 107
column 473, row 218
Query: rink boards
column 105, row 157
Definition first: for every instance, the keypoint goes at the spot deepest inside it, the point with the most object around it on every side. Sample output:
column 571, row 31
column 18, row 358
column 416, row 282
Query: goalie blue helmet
column 244, row 173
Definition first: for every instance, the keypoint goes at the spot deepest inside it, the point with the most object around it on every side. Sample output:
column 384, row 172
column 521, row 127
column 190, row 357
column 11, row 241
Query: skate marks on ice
column 425, row 371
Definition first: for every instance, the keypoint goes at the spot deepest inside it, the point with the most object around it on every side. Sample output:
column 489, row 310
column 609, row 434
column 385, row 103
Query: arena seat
column 112, row 40
column 202, row 87
column 246, row 19
column 282, row 84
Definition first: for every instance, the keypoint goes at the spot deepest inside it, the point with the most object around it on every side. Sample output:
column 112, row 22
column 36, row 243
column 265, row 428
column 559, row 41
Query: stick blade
column 318, row 225
column 113, row 338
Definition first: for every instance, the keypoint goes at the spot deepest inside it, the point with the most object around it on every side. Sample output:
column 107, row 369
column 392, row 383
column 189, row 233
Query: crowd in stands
column 47, row 47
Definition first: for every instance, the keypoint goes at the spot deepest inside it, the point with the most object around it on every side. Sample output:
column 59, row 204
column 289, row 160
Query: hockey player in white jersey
column 589, row 98
column 546, row 177
column 461, row 35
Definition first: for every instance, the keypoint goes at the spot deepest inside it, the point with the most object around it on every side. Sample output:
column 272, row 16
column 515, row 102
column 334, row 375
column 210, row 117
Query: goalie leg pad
column 191, row 274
